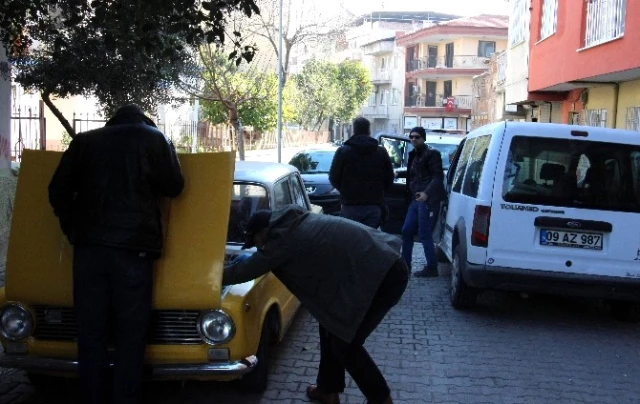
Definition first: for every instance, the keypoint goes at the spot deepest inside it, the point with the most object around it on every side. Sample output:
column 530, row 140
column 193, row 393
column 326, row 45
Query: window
column 462, row 165
column 595, row 117
column 282, row 194
column 396, row 150
column 518, row 26
column 383, row 64
column 298, row 193
column 372, row 100
column 313, row 162
column 604, row 21
column 549, row 20
column 633, row 118
column 383, row 97
column 395, row 96
column 448, row 88
column 573, row 173
column 471, row 182
column 486, row 48
column 246, row 199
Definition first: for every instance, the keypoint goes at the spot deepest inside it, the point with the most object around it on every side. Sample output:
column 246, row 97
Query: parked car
column 314, row 164
column 200, row 330
column 545, row 208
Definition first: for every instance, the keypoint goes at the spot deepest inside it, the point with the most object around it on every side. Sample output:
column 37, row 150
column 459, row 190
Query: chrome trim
column 205, row 338
column 26, row 310
column 159, row 371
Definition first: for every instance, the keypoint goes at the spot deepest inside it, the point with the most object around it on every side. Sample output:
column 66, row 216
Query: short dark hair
column 361, row 126
column 420, row 131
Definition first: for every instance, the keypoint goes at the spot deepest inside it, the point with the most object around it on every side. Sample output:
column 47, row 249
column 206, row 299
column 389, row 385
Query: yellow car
column 199, row 330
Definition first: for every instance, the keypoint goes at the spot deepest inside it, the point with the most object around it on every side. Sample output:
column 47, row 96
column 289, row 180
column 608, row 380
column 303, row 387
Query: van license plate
column 573, row 239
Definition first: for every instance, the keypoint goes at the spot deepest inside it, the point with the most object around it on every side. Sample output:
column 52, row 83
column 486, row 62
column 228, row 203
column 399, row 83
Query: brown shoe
column 317, row 394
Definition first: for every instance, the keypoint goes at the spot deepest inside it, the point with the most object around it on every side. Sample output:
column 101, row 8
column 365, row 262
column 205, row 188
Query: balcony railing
column 605, row 21
column 501, row 74
column 459, row 101
column 447, row 62
column 381, row 75
column 380, row 47
column 375, row 110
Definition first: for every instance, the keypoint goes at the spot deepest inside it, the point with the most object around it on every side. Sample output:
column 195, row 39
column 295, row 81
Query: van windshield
column 573, row 173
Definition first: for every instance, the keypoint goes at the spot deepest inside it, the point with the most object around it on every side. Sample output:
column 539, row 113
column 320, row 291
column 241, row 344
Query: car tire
column 462, row 296
column 257, row 380
column 45, row 383
column 624, row 311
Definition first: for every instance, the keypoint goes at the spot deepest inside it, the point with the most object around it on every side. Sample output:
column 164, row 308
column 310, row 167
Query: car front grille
column 167, row 326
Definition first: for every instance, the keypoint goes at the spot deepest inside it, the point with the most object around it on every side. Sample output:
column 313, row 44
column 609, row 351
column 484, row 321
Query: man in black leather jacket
column 362, row 171
column 105, row 194
column 425, row 185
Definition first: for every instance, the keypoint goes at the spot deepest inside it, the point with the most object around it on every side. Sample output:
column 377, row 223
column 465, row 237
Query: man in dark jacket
column 425, row 185
column 346, row 274
column 105, row 194
column 361, row 170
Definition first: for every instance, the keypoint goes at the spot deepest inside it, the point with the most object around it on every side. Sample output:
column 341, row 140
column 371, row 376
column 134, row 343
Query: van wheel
column 624, row 311
column 257, row 380
column 462, row 296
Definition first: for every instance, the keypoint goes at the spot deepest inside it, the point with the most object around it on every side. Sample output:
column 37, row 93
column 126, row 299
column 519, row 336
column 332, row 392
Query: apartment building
column 441, row 61
column 585, row 55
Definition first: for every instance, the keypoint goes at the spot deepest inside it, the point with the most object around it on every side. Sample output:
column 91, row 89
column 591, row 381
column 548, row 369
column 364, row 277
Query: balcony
column 501, row 73
column 379, row 48
column 375, row 111
column 443, row 65
column 461, row 103
column 381, row 77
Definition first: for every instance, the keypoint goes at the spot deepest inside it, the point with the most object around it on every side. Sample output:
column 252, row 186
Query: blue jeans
column 419, row 219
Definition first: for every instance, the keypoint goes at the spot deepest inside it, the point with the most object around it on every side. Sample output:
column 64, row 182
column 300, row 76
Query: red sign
column 449, row 105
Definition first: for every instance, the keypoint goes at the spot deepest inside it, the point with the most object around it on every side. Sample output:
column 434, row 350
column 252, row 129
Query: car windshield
column 446, row 151
column 245, row 200
column 313, row 161
column 573, row 173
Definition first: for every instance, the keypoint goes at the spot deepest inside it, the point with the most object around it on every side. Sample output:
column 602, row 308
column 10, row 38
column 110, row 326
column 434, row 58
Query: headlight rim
column 205, row 337
column 24, row 308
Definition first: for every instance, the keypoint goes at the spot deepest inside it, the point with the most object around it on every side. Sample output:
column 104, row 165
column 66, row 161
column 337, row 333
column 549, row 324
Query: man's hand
column 421, row 197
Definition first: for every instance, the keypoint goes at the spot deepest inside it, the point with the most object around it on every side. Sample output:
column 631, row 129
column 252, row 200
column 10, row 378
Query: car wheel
column 257, row 380
column 624, row 311
column 45, row 383
column 462, row 296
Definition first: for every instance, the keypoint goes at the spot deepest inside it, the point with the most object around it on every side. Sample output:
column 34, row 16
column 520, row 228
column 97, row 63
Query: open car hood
column 187, row 276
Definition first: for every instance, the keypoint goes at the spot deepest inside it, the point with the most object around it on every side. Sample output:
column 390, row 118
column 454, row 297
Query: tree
column 302, row 24
column 121, row 51
column 325, row 90
column 235, row 92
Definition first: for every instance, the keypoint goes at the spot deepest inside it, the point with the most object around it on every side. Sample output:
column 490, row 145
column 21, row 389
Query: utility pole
column 280, row 72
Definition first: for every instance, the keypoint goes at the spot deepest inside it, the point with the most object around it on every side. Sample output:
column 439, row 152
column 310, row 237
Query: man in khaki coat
column 346, row 274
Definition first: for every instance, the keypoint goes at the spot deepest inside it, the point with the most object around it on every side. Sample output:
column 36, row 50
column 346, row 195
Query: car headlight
column 16, row 322
column 216, row 327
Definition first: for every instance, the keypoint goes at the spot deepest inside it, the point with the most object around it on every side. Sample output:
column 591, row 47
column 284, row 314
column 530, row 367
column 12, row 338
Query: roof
column 258, row 171
column 401, row 16
column 480, row 21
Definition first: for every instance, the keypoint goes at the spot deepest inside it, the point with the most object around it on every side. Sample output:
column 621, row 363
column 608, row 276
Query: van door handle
column 573, row 224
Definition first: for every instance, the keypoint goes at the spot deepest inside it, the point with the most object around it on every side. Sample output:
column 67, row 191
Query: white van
column 544, row 208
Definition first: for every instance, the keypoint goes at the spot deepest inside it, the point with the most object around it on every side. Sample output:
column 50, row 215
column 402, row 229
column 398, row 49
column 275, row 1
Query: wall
column 516, row 87
column 603, row 97
column 628, row 96
column 569, row 62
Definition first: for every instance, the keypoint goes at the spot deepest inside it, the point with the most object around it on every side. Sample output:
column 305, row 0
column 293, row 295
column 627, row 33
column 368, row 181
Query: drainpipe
column 550, row 111
column 616, row 93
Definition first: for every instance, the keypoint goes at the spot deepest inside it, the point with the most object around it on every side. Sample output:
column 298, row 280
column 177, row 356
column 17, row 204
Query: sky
column 458, row 7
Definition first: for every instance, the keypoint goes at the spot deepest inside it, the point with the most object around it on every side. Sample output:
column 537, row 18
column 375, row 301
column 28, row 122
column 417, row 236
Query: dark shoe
column 316, row 393
column 427, row 273
column 387, row 401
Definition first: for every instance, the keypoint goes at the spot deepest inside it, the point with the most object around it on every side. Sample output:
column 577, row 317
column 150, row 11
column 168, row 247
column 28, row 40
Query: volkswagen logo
column 574, row 224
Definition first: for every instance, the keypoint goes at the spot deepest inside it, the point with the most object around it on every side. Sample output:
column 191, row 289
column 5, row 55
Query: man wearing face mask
column 349, row 290
column 425, row 185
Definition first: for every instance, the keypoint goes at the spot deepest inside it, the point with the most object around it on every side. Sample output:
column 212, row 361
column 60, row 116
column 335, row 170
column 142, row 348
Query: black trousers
column 111, row 283
column 337, row 355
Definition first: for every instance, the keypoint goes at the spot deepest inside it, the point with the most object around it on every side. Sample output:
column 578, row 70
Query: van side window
column 462, row 165
column 476, row 164
column 282, row 194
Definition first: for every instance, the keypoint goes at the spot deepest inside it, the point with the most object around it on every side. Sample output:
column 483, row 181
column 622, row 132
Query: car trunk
column 187, row 276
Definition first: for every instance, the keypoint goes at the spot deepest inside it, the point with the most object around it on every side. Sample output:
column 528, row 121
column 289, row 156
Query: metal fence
column 86, row 122
column 28, row 129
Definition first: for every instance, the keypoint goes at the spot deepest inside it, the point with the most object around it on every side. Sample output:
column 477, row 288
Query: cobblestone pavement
column 509, row 350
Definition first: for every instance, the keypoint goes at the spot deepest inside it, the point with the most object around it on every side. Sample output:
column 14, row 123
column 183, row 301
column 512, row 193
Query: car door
column 439, row 228
column 395, row 197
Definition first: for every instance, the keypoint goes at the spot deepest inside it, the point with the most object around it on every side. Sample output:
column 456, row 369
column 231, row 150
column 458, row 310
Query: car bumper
column 157, row 371
column 535, row 281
